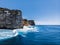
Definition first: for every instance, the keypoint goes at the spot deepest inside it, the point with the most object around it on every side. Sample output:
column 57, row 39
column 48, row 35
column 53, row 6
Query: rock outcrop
column 31, row 22
column 10, row 18
column 28, row 22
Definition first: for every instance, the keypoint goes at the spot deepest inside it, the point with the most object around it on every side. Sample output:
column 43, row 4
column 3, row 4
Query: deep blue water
column 47, row 35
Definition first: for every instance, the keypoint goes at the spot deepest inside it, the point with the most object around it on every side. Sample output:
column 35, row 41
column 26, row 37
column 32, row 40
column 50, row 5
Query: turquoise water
column 46, row 35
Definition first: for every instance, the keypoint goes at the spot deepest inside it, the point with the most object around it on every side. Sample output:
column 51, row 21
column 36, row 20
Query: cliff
column 31, row 22
column 28, row 22
column 10, row 18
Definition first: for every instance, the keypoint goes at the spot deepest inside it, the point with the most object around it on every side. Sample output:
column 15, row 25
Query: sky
column 43, row 12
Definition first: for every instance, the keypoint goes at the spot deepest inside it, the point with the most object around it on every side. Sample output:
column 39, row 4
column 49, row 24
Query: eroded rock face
column 28, row 22
column 10, row 18
column 25, row 22
column 31, row 22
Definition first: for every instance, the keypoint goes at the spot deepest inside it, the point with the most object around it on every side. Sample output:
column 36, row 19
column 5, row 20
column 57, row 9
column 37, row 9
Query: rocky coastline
column 12, row 19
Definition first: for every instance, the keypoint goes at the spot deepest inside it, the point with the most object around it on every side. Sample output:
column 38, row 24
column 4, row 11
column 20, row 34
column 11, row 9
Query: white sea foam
column 5, row 34
column 25, row 30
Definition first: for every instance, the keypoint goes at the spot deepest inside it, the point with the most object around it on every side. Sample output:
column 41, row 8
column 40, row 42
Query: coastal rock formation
column 10, row 18
column 31, row 22
column 28, row 22
column 25, row 22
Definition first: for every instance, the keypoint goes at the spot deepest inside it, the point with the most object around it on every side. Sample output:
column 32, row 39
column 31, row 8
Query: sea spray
column 6, row 33
column 26, row 29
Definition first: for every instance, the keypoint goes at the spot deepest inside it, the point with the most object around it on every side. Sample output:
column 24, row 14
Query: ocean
column 42, row 35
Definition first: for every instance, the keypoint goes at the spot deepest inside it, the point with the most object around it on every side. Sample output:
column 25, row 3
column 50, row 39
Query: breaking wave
column 6, row 33
column 25, row 30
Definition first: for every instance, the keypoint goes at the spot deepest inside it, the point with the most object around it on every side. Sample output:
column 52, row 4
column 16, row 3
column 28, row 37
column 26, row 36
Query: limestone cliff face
column 10, row 18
